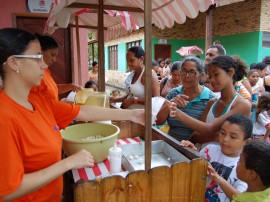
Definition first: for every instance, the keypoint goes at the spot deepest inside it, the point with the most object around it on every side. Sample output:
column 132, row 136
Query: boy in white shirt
column 223, row 157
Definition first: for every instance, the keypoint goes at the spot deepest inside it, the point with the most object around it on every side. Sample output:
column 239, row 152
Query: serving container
column 99, row 147
column 162, row 155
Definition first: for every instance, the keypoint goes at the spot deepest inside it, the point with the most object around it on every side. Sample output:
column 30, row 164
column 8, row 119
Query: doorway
column 163, row 51
column 61, row 70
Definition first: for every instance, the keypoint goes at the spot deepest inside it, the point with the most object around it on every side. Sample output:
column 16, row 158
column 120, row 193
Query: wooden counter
column 181, row 182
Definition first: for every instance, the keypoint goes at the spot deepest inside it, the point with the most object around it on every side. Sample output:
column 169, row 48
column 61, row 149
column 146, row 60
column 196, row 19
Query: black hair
column 168, row 61
column 263, row 104
column 175, row 66
column 221, row 50
column 159, row 60
column 260, row 66
column 13, row 41
column 154, row 63
column 226, row 63
column 252, row 66
column 251, row 72
column 113, row 91
column 47, row 42
column 243, row 122
column 257, row 158
column 266, row 60
column 88, row 84
column 137, row 50
column 94, row 63
column 199, row 63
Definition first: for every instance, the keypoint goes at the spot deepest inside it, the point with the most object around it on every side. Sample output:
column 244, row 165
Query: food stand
column 184, row 181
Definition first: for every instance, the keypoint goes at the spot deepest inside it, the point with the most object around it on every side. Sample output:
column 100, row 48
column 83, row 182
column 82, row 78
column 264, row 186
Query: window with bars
column 113, row 57
column 134, row 43
column 266, row 40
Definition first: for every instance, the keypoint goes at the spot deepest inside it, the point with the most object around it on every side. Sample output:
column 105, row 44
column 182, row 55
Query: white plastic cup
column 115, row 155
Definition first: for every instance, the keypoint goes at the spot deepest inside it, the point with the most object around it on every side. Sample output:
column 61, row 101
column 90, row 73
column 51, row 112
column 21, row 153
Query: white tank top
column 137, row 88
column 211, row 117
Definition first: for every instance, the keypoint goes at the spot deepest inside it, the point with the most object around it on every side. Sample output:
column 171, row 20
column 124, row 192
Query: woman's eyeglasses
column 190, row 73
column 38, row 57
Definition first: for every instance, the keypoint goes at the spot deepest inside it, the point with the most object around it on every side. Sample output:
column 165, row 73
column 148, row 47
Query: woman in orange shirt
column 49, row 49
column 30, row 141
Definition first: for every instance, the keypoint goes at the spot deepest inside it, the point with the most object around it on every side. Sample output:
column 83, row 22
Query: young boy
column 91, row 84
column 115, row 94
column 223, row 157
column 253, row 168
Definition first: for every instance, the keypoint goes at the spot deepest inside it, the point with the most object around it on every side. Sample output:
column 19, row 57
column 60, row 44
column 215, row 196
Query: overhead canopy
column 116, row 22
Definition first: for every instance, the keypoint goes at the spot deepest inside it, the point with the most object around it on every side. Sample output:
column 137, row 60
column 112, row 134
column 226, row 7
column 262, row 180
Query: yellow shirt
column 261, row 196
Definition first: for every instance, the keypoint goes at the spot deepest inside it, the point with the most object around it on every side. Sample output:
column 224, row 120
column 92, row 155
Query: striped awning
column 122, row 16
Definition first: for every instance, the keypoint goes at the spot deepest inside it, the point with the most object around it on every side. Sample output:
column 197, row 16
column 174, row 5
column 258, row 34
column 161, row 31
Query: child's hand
column 186, row 143
column 173, row 108
column 213, row 174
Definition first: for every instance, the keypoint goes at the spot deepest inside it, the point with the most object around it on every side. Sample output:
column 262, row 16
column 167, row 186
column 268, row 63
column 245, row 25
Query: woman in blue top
column 196, row 98
column 224, row 72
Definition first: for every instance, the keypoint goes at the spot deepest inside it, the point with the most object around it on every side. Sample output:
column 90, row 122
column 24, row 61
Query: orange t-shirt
column 31, row 141
column 47, row 86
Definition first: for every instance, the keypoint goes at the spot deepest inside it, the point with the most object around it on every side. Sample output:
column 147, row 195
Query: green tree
column 90, row 49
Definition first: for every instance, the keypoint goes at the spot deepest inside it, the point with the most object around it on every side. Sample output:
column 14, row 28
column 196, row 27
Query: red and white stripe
column 118, row 23
column 102, row 168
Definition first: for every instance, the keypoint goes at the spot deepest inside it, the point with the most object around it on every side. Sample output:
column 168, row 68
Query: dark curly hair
column 263, row 104
column 257, row 158
column 226, row 63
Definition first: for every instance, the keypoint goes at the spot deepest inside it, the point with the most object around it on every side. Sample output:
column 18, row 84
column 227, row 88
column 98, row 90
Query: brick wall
column 265, row 16
column 237, row 18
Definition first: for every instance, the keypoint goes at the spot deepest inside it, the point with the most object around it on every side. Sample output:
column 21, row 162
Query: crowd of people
column 218, row 106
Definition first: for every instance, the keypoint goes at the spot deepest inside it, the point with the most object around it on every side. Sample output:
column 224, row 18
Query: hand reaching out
column 186, row 143
column 138, row 116
column 180, row 100
column 213, row 174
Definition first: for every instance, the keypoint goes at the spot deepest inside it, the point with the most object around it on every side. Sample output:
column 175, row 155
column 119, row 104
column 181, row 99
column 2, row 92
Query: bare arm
column 119, row 99
column 92, row 113
column 63, row 88
column 224, row 185
column 242, row 107
column 35, row 180
column 266, row 136
column 248, row 86
column 155, row 85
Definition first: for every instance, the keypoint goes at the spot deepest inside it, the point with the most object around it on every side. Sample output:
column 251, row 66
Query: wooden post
column 208, row 26
column 101, row 58
column 78, row 51
column 148, row 82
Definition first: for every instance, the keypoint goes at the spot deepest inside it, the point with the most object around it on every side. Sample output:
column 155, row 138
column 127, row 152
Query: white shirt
column 260, row 126
column 225, row 166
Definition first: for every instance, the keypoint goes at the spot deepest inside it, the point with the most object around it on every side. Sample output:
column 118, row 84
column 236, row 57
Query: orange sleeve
column 64, row 113
column 12, row 169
